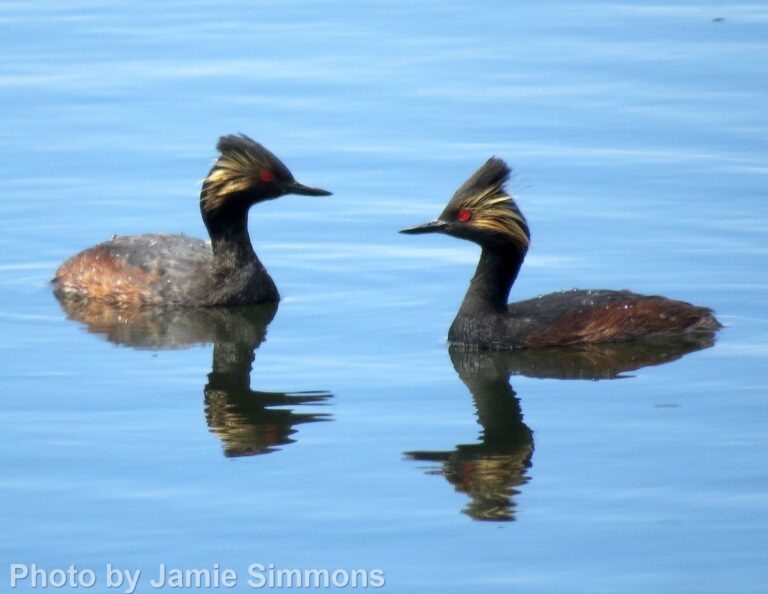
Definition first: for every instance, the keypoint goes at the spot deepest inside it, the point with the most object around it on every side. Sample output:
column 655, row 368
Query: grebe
column 482, row 211
column 165, row 269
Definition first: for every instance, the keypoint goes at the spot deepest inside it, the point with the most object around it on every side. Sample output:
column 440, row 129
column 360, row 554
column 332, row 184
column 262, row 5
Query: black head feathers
column 483, row 207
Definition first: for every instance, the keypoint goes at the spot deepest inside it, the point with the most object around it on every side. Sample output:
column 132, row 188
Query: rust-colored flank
column 96, row 273
column 632, row 317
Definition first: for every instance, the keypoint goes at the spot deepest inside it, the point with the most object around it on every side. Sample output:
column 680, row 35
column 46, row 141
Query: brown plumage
column 98, row 273
column 482, row 211
column 628, row 317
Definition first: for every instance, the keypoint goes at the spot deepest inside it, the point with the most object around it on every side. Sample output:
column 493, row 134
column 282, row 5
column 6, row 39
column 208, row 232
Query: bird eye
column 464, row 215
column 267, row 176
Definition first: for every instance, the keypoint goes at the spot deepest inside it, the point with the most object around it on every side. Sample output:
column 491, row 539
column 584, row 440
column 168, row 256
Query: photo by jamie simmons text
column 256, row 576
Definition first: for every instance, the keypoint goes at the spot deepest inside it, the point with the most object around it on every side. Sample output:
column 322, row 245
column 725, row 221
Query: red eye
column 464, row 215
column 267, row 176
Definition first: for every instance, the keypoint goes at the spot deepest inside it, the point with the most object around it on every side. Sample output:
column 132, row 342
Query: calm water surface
column 343, row 433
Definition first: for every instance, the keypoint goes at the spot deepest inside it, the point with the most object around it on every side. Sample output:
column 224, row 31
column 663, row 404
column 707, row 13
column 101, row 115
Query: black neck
column 489, row 288
column 231, row 243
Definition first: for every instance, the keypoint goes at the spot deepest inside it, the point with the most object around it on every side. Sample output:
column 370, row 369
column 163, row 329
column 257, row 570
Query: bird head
column 245, row 173
column 482, row 211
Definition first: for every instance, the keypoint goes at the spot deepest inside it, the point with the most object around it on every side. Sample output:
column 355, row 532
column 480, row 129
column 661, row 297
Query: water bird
column 482, row 211
column 173, row 269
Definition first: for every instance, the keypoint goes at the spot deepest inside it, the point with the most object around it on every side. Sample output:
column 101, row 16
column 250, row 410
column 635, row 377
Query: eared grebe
column 164, row 269
column 483, row 212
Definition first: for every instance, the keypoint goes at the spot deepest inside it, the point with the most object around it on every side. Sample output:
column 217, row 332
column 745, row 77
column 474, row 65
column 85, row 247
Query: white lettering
column 114, row 577
column 175, row 578
column 260, row 576
column 256, row 571
column 313, row 579
column 340, row 578
column 359, row 578
column 376, row 578
column 132, row 579
column 39, row 574
column 229, row 578
column 57, row 578
column 159, row 582
column 197, row 578
column 87, row 578
column 19, row 571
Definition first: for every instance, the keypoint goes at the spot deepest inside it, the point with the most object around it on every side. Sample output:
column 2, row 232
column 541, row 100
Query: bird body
column 482, row 211
column 162, row 269
column 166, row 269
column 577, row 317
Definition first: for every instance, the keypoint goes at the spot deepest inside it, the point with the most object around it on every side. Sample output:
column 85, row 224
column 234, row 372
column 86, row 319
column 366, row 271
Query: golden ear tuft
column 492, row 208
column 495, row 211
column 239, row 168
column 232, row 173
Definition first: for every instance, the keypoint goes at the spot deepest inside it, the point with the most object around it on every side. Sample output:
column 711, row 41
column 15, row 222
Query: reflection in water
column 604, row 361
column 246, row 421
column 492, row 471
column 489, row 471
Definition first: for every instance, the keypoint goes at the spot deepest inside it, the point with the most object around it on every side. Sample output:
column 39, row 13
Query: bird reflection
column 491, row 472
column 248, row 422
column 611, row 360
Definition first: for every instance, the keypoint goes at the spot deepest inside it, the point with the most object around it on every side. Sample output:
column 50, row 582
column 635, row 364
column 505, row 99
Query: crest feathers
column 238, row 169
column 493, row 209
column 494, row 173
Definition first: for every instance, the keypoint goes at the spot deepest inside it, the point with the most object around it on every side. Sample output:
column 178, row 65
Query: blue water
column 638, row 134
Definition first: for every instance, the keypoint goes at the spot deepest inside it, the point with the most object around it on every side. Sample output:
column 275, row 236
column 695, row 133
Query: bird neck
column 495, row 274
column 230, row 241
